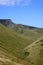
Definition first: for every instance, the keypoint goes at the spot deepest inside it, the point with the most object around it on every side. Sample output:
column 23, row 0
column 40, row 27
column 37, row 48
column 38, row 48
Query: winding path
column 34, row 43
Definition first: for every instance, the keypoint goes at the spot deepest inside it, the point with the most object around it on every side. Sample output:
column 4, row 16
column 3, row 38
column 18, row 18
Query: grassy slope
column 39, row 30
column 13, row 43
column 36, row 53
column 31, row 35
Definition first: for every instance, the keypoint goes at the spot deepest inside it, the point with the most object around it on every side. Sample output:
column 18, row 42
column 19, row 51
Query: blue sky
column 28, row 12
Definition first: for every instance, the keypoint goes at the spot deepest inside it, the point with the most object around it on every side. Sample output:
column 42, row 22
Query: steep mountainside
column 20, row 44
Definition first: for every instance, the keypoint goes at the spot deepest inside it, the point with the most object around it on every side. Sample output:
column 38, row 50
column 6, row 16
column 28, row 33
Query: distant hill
column 8, row 22
column 20, row 27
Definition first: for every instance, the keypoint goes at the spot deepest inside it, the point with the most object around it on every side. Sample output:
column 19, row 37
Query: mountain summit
column 7, row 22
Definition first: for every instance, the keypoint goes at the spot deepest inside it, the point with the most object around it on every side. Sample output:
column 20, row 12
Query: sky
column 27, row 12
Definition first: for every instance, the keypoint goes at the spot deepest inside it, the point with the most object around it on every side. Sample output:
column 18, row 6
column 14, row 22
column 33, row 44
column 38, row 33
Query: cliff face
column 7, row 22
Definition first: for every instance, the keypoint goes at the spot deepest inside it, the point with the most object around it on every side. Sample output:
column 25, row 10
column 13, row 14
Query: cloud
column 15, row 2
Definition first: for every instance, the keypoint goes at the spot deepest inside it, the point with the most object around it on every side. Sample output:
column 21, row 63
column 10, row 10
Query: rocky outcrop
column 7, row 22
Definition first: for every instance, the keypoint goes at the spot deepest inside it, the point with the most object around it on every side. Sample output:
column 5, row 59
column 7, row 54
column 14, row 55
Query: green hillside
column 25, row 31
column 13, row 44
column 12, row 41
column 35, row 52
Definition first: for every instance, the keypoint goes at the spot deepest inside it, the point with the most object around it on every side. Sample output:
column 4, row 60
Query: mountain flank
column 20, row 44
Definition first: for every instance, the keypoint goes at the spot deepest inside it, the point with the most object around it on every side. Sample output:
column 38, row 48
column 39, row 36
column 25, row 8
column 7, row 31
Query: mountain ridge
column 7, row 22
column 20, row 27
